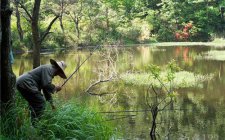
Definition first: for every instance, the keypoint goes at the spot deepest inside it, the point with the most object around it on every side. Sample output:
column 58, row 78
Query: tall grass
column 15, row 122
column 69, row 121
column 74, row 121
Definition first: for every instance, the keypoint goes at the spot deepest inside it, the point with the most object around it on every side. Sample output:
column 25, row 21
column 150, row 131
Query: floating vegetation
column 214, row 55
column 183, row 79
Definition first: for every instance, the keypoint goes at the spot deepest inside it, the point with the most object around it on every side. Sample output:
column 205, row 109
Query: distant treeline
column 72, row 23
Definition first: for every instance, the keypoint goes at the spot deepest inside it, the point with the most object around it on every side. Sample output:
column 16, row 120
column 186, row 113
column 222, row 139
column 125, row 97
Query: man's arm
column 48, row 91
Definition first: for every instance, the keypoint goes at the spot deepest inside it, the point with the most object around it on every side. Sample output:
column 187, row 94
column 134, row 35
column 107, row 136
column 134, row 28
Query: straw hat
column 61, row 65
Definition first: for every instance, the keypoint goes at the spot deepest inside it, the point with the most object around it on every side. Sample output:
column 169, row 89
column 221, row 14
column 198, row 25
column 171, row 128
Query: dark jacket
column 39, row 79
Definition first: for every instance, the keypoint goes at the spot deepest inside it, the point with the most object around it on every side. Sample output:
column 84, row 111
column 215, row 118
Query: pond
column 197, row 113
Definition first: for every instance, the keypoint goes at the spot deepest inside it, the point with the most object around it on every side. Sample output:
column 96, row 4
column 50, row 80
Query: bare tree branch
column 106, row 74
column 25, row 16
column 147, row 101
column 25, row 9
column 49, row 28
column 171, row 100
column 101, row 94
column 98, row 82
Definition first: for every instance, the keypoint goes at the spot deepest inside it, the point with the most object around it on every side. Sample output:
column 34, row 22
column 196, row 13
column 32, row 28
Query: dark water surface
column 198, row 113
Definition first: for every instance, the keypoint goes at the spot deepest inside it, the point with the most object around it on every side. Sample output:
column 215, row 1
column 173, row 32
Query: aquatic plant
column 182, row 79
column 213, row 55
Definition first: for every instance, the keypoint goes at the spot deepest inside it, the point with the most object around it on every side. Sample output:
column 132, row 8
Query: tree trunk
column 77, row 26
column 154, row 112
column 7, row 75
column 35, row 34
column 61, row 15
column 61, row 23
column 0, row 53
column 107, row 18
column 19, row 28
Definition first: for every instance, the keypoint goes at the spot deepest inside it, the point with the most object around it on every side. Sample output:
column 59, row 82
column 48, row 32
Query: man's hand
column 58, row 88
column 52, row 105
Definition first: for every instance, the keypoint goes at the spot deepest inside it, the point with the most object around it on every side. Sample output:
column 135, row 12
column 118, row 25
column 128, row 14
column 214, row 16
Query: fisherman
column 30, row 85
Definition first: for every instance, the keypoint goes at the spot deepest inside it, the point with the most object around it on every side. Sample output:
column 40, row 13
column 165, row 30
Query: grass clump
column 182, row 79
column 218, row 55
column 15, row 123
column 69, row 121
column 219, row 40
column 74, row 121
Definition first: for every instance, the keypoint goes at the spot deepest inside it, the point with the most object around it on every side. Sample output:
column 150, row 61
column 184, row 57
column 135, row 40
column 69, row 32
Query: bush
column 165, row 34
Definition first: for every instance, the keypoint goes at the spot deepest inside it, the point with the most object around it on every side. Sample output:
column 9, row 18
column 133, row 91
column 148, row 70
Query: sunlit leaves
column 155, row 70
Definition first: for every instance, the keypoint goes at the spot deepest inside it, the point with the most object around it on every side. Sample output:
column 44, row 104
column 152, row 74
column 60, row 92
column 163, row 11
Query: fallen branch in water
column 98, row 82
column 100, row 94
column 106, row 74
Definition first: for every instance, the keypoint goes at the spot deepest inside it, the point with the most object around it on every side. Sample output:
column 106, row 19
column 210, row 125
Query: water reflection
column 196, row 114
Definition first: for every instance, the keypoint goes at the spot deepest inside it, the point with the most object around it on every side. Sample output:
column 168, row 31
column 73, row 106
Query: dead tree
column 106, row 73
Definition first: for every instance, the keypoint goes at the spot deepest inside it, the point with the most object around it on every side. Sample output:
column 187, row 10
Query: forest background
column 73, row 23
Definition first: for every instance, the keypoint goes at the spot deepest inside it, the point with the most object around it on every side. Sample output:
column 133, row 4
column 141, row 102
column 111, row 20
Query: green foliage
column 124, row 21
column 74, row 121
column 15, row 124
column 69, row 121
column 206, row 19
column 172, row 67
column 155, row 70
column 181, row 79
column 130, row 34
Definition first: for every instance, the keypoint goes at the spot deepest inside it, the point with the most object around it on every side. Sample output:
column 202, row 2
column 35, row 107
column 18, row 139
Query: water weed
column 182, row 79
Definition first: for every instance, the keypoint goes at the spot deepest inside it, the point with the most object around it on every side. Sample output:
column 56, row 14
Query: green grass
column 218, row 55
column 74, row 121
column 183, row 79
column 69, row 121
column 219, row 40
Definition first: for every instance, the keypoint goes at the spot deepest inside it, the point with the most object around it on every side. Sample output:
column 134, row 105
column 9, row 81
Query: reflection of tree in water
column 221, row 70
column 22, row 67
column 198, row 116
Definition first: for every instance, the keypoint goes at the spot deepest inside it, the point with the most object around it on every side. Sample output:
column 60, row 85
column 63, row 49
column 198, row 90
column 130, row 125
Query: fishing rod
column 78, row 67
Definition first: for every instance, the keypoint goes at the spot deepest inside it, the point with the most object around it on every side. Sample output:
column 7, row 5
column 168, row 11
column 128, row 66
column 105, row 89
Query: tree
column 163, row 95
column 19, row 28
column 7, row 75
column 0, row 51
column 37, row 38
column 173, row 14
column 75, row 10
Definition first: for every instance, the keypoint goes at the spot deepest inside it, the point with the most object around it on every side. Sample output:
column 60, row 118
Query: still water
column 197, row 114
